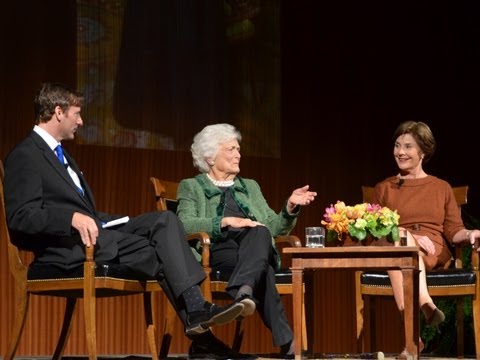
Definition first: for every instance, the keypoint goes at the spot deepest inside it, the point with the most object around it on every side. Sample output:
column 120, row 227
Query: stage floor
column 379, row 356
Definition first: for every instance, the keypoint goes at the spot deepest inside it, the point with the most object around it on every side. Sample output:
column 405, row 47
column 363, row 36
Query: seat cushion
column 450, row 277
column 48, row 271
column 283, row 276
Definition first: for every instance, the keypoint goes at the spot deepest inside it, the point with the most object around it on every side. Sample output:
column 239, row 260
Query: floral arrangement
column 360, row 220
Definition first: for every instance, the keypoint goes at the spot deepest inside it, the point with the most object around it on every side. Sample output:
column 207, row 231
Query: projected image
column 156, row 72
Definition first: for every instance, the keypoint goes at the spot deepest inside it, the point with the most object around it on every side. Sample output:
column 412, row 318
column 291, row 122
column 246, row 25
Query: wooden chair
column 457, row 282
column 90, row 282
column 166, row 198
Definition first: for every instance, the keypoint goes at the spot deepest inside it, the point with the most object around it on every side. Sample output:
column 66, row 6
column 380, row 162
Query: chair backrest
column 18, row 260
column 165, row 194
column 460, row 193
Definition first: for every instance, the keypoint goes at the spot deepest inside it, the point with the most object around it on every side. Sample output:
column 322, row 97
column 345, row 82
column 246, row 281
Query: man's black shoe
column 207, row 346
column 199, row 321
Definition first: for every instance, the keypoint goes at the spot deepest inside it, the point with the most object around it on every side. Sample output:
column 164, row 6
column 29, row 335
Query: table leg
column 411, row 320
column 297, row 281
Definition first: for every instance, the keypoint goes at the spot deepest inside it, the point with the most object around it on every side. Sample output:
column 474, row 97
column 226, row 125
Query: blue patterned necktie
column 59, row 152
column 61, row 158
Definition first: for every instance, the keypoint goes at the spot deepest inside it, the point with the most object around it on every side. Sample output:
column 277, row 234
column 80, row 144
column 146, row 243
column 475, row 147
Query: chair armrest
column 204, row 240
column 286, row 240
column 458, row 256
column 202, row 237
column 18, row 261
column 475, row 260
column 89, row 257
column 89, row 272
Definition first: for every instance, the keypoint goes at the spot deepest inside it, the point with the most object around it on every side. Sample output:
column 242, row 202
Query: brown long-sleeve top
column 426, row 206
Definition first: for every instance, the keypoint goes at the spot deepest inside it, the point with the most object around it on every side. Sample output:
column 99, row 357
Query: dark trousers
column 247, row 255
column 154, row 245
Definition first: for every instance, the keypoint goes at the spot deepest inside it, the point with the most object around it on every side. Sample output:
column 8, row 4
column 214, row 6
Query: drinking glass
column 403, row 237
column 315, row 237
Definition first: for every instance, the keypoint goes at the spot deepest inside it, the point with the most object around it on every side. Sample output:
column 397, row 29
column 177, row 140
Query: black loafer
column 207, row 346
column 199, row 321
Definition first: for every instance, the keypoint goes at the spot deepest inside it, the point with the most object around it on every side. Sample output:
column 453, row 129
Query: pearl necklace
column 221, row 183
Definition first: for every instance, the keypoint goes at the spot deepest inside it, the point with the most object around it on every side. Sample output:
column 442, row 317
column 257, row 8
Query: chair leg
column 66, row 326
column 359, row 306
column 89, row 307
column 237, row 340
column 476, row 322
column 206, row 289
column 168, row 329
column 22, row 301
column 304, row 329
column 369, row 323
column 149, row 313
column 460, row 337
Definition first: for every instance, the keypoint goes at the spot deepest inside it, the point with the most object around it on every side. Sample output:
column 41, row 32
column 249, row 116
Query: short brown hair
column 422, row 135
column 51, row 95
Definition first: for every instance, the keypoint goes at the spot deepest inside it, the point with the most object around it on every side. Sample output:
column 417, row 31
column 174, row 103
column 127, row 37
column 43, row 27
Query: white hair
column 207, row 142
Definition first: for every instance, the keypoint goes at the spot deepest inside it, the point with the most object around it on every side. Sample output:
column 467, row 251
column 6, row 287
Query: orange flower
column 360, row 220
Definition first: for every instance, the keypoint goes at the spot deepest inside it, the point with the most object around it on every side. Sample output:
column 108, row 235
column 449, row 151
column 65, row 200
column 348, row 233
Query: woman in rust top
column 427, row 208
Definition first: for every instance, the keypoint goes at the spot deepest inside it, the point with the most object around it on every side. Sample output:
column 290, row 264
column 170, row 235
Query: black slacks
column 154, row 245
column 247, row 254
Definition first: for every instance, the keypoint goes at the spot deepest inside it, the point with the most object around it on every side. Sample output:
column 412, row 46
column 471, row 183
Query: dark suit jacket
column 40, row 199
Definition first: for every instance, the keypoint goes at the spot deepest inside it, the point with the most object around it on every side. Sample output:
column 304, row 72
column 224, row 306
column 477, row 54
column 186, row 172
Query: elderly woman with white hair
column 241, row 225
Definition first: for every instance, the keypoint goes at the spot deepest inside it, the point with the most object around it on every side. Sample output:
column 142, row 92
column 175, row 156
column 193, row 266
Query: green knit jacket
column 200, row 209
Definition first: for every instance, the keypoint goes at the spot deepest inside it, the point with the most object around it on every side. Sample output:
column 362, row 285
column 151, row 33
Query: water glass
column 403, row 237
column 315, row 237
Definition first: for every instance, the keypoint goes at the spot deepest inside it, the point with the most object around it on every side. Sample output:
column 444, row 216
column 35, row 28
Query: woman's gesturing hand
column 300, row 196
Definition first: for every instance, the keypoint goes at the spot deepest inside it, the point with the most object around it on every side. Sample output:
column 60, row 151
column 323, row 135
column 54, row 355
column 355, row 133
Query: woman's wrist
column 291, row 207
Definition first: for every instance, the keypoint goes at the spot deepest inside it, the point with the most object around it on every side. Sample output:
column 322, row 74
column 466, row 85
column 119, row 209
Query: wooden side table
column 404, row 258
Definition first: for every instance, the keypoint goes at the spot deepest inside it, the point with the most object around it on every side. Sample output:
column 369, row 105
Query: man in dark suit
column 51, row 209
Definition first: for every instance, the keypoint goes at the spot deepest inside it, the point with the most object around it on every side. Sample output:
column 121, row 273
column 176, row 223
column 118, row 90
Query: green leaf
column 360, row 234
column 332, row 235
